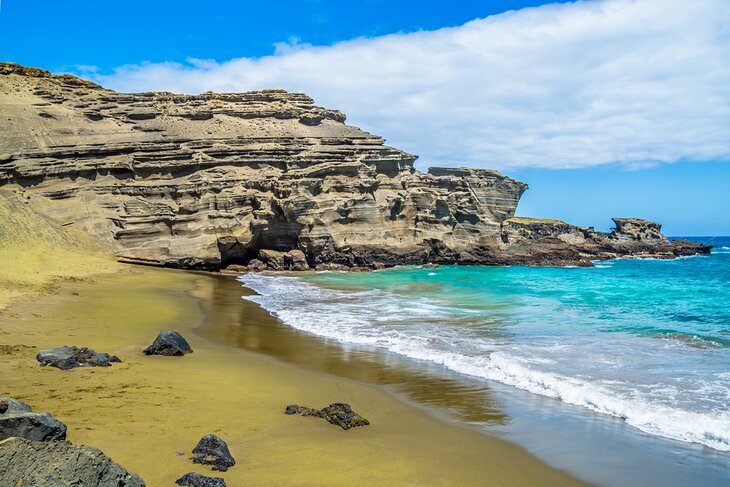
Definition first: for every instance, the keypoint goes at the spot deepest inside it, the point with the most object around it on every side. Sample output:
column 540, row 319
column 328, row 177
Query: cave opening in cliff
column 277, row 235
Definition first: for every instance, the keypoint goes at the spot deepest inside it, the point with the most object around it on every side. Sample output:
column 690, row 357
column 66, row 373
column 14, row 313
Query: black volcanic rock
column 170, row 343
column 17, row 419
column 212, row 450
column 66, row 358
column 339, row 414
column 193, row 479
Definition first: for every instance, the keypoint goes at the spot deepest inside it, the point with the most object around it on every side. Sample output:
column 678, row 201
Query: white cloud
column 637, row 82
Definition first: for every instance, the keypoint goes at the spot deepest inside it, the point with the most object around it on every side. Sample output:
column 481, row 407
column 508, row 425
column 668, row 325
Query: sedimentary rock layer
column 202, row 181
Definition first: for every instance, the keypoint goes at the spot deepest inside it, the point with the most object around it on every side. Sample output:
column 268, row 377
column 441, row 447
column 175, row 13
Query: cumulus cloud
column 635, row 82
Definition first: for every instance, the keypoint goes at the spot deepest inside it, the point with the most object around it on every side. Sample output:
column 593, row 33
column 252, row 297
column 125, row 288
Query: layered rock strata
column 214, row 179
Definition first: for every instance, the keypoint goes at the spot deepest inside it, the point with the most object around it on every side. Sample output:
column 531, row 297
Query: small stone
column 211, row 450
column 304, row 411
column 169, row 343
column 193, row 479
column 236, row 268
column 66, row 358
column 256, row 265
column 331, row 267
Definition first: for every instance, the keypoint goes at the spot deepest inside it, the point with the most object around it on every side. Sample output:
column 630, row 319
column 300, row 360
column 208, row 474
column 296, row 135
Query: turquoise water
column 646, row 341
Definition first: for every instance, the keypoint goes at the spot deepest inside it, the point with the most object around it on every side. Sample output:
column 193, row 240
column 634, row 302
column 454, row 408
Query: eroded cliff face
column 201, row 181
column 208, row 180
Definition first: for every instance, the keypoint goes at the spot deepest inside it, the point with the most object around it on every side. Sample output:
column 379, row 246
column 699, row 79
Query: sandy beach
column 145, row 411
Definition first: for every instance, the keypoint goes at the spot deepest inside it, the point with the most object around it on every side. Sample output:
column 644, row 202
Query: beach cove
column 146, row 409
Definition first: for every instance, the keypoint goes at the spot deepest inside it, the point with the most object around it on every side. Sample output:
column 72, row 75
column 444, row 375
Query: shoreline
column 563, row 434
column 144, row 410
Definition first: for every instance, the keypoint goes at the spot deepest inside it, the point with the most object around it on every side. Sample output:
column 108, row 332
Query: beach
column 147, row 413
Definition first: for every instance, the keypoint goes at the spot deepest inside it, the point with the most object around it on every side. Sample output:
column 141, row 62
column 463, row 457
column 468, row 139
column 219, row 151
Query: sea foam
column 384, row 320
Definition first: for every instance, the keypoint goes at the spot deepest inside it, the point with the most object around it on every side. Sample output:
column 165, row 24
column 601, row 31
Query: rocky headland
column 266, row 179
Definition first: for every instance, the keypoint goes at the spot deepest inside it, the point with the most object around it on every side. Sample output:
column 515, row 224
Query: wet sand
column 147, row 410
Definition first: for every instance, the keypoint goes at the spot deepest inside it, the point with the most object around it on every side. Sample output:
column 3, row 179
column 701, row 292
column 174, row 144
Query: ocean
column 645, row 342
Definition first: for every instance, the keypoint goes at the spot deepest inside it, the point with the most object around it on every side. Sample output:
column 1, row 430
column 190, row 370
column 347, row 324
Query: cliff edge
column 204, row 181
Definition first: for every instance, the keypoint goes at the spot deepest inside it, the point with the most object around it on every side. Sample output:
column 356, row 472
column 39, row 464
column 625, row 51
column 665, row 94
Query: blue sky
column 606, row 107
column 60, row 35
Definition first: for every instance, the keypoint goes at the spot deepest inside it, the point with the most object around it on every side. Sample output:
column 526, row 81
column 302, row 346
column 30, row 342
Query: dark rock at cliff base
column 193, row 479
column 169, row 343
column 331, row 267
column 211, row 450
column 339, row 414
column 256, row 265
column 295, row 260
column 17, row 419
column 66, row 358
column 59, row 463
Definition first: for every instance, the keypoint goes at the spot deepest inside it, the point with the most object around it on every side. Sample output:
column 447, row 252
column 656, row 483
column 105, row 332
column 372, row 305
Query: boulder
column 430, row 266
column 59, row 463
column 66, row 358
column 212, row 450
column 18, row 419
column 295, row 260
column 169, row 343
column 339, row 414
column 193, row 479
column 13, row 406
column 273, row 259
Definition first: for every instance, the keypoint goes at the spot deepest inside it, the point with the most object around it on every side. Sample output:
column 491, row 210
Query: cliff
column 208, row 180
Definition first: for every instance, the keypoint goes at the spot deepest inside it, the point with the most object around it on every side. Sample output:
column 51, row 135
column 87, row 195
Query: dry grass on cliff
column 36, row 253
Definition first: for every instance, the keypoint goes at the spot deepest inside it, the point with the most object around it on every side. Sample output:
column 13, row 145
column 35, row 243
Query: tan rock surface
column 203, row 181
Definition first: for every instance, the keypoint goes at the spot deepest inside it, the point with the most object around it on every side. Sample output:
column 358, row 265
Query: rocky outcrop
column 169, row 343
column 339, row 414
column 59, row 463
column 204, row 181
column 527, row 240
column 17, row 419
column 66, row 358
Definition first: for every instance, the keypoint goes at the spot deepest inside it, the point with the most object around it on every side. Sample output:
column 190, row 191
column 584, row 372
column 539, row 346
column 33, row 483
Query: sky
column 604, row 107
